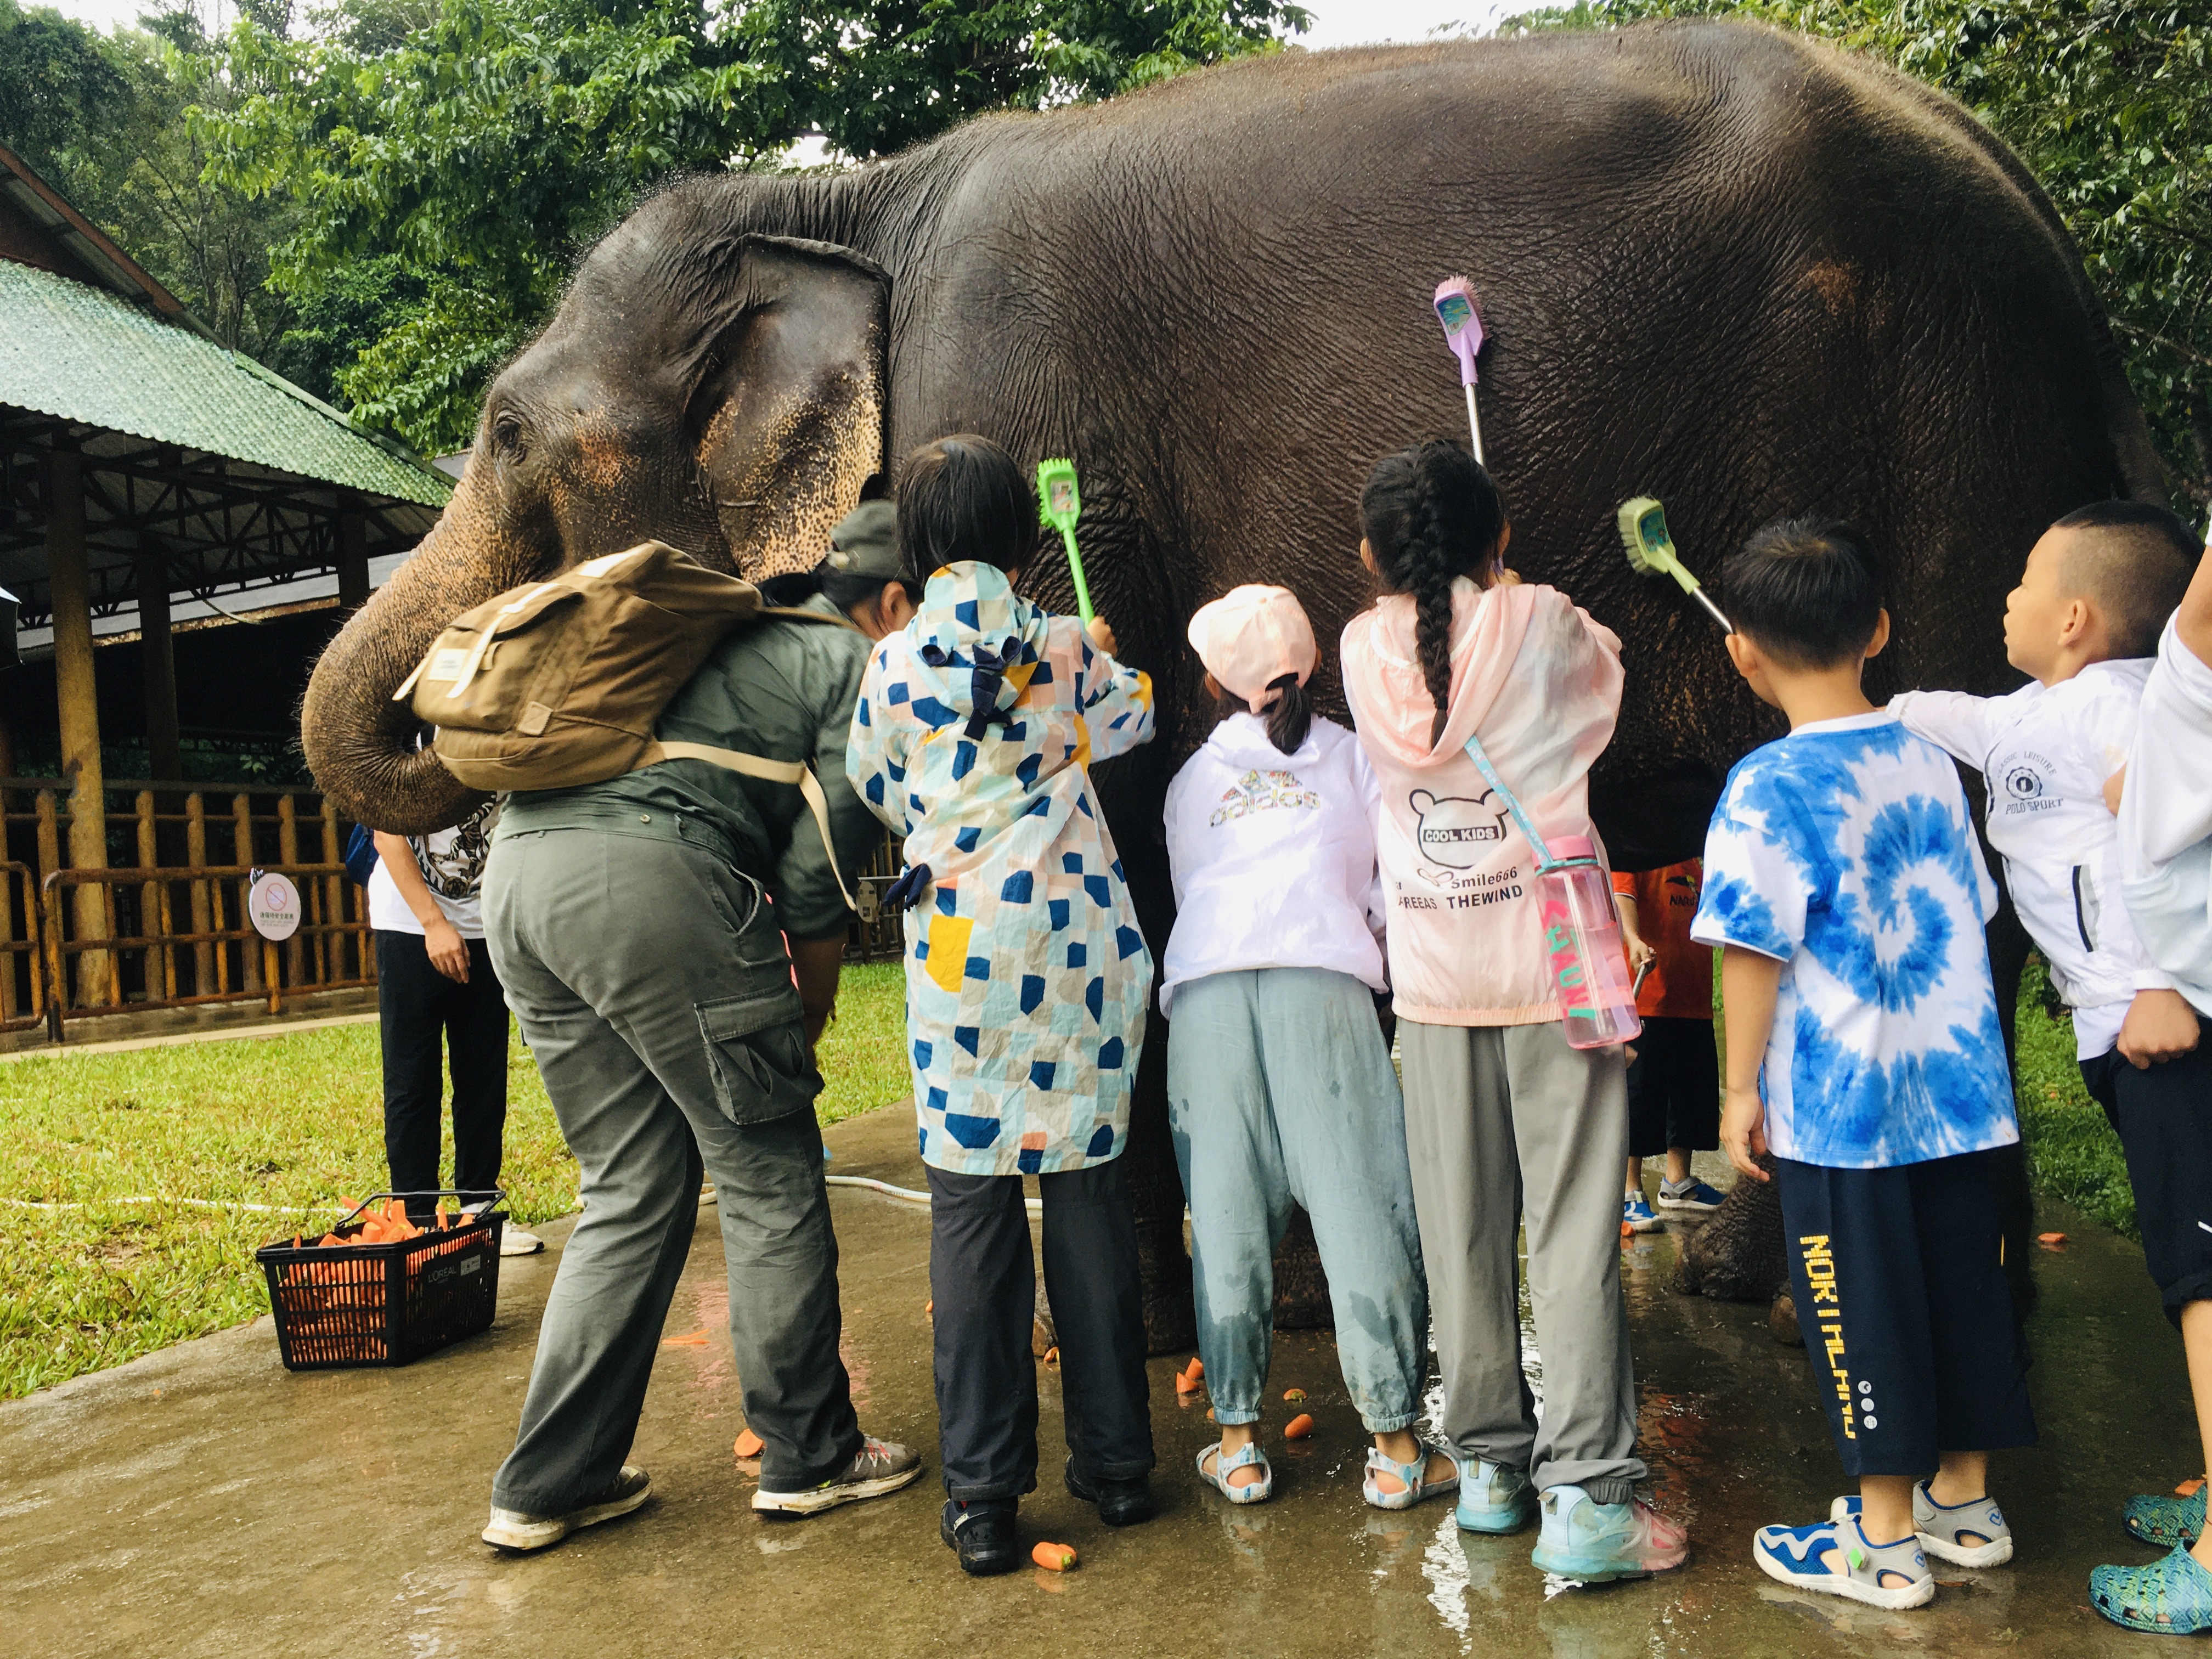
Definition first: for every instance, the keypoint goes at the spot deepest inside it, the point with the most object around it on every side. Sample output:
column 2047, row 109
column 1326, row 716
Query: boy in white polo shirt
column 2084, row 622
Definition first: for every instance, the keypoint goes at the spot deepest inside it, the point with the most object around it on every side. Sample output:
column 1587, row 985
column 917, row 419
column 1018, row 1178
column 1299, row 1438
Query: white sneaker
column 512, row 1241
column 511, row 1529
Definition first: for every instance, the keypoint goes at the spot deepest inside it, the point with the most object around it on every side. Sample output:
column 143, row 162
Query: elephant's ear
column 786, row 405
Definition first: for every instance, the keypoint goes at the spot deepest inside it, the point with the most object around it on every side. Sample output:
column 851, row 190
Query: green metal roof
column 81, row 354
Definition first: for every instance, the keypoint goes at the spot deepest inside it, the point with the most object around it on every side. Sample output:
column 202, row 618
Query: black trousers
column 1898, row 1277
column 1673, row 1088
column 2164, row 1116
column 422, row 1013
column 984, row 1284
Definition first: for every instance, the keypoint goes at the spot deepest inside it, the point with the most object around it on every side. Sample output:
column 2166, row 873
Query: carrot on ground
column 1053, row 1558
column 749, row 1444
column 1299, row 1427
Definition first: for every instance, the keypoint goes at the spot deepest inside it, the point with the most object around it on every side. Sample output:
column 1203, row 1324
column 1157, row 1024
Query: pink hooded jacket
column 1540, row 683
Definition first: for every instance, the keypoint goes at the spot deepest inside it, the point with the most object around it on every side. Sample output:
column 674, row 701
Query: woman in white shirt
column 1280, row 1084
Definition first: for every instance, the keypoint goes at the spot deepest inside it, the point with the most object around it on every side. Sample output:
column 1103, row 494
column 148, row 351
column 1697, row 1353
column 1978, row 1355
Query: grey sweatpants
column 651, row 982
column 1503, row 1121
column 1280, row 1090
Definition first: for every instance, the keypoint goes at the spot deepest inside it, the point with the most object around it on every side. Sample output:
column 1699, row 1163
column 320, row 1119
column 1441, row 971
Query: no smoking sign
column 273, row 904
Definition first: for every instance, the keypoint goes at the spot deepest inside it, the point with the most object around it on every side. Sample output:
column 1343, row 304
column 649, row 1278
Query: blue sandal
column 1249, row 1455
column 2169, row 1597
column 1413, row 1477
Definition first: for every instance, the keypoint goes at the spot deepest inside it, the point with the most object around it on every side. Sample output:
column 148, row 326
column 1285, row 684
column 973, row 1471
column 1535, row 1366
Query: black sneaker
column 983, row 1534
column 1121, row 1503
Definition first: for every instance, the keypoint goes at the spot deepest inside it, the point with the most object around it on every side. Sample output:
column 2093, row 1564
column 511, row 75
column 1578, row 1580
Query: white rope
column 198, row 1203
column 1035, row 1206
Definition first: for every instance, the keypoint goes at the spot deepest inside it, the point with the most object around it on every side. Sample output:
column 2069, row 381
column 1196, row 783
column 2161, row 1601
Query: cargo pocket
column 756, row 1047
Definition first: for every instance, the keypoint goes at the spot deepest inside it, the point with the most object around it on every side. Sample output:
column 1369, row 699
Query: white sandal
column 1246, row 1456
column 1415, row 1475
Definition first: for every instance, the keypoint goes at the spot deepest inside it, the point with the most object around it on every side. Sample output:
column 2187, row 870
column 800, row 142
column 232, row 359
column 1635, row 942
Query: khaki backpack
column 560, row 682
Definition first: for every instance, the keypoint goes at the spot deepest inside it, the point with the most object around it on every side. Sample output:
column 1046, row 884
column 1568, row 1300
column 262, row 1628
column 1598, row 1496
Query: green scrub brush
column 1651, row 551
column 1062, row 506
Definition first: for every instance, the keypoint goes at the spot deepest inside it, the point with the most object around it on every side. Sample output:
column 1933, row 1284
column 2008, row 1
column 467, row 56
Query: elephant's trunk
column 359, row 743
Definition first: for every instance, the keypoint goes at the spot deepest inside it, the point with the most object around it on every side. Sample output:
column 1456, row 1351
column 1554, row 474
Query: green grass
column 293, row 1122
column 2072, row 1153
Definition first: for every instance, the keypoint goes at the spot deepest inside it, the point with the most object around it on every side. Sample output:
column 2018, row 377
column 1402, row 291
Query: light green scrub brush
column 1651, row 551
column 1061, row 506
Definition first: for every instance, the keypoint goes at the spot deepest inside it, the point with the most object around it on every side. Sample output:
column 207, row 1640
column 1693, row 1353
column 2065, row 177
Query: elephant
column 1722, row 265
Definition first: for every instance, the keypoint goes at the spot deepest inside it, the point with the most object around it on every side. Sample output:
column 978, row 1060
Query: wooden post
column 288, row 850
column 154, row 910
column 69, row 581
column 158, row 659
column 333, row 950
column 7, row 937
column 204, row 954
column 353, row 560
column 249, row 959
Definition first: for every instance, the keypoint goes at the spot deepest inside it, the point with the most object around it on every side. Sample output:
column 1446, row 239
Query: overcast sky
column 1336, row 22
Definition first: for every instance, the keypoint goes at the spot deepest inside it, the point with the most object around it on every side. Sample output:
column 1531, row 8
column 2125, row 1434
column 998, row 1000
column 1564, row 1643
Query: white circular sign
column 274, row 905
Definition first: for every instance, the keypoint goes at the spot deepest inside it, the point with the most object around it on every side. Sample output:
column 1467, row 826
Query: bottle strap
column 1544, row 859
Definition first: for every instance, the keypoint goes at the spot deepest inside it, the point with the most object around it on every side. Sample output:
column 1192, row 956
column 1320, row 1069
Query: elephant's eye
column 508, row 441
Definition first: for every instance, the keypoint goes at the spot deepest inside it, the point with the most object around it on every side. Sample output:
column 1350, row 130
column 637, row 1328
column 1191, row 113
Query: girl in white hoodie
column 1503, row 1119
column 1279, row 1085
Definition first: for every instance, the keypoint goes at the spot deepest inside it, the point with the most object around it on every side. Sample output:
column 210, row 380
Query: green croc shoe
column 2170, row 1597
column 2165, row 1522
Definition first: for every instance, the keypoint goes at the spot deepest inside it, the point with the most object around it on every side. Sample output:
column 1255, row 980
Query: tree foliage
column 2110, row 104
column 484, row 145
column 103, row 119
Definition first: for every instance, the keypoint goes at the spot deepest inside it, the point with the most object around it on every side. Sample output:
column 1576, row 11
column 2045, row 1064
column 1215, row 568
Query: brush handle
column 1075, row 569
column 1712, row 610
column 1474, row 424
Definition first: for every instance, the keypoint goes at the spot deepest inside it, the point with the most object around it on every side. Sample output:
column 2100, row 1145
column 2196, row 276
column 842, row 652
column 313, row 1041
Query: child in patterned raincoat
column 1027, row 984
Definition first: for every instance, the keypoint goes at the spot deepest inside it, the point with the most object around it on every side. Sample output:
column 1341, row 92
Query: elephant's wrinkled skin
column 1728, row 267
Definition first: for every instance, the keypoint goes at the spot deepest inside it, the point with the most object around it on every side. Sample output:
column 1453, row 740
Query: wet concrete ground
column 204, row 1501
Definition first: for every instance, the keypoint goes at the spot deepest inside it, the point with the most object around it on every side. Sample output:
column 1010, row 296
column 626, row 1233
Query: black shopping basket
column 384, row 1304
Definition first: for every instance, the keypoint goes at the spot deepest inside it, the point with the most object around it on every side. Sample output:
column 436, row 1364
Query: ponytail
column 843, row 588
column 1289, row 718
column 1432, row 515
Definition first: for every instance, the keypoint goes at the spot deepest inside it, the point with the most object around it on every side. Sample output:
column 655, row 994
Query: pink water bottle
column 1583, row 949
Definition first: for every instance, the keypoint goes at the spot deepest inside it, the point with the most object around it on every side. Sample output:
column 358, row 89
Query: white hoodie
column 1273, row 857
column 2045, row 751
column 2166, row 821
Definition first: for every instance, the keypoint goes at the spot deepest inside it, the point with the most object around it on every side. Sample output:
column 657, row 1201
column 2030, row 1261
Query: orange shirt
column 1681, row 983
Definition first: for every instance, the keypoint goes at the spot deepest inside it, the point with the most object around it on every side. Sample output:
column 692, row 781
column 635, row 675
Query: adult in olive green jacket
column 638, row 926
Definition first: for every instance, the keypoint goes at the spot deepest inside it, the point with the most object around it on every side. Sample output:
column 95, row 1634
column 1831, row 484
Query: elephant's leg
column 1156, row 1194
column 2008, row 948
column 1302, row 1300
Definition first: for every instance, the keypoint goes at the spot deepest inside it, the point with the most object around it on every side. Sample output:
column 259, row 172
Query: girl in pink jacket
column 1501, row 1117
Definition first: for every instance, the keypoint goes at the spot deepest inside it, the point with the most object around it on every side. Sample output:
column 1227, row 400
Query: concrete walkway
column 205, row 1501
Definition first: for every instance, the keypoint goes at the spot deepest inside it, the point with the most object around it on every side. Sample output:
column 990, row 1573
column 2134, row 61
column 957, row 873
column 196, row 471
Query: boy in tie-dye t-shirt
column 1845, row 888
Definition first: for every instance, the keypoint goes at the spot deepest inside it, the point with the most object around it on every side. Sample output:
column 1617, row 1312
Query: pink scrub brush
column 1455, row 303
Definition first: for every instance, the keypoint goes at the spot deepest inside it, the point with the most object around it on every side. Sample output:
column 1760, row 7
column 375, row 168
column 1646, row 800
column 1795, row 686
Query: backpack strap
column 768, row 771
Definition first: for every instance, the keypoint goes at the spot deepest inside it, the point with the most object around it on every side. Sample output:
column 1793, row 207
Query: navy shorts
column 1898, row 1276
column 2164, row 1114
column 1673, row 1088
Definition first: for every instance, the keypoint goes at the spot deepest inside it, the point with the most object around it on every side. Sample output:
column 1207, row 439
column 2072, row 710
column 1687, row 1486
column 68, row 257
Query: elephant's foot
column 1302, row 1300
column 1044, row 1336
column 1782, row 1321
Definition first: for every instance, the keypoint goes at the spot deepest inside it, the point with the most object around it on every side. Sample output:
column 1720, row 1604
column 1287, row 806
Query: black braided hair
column 1432, row 515
column 1290, row 717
